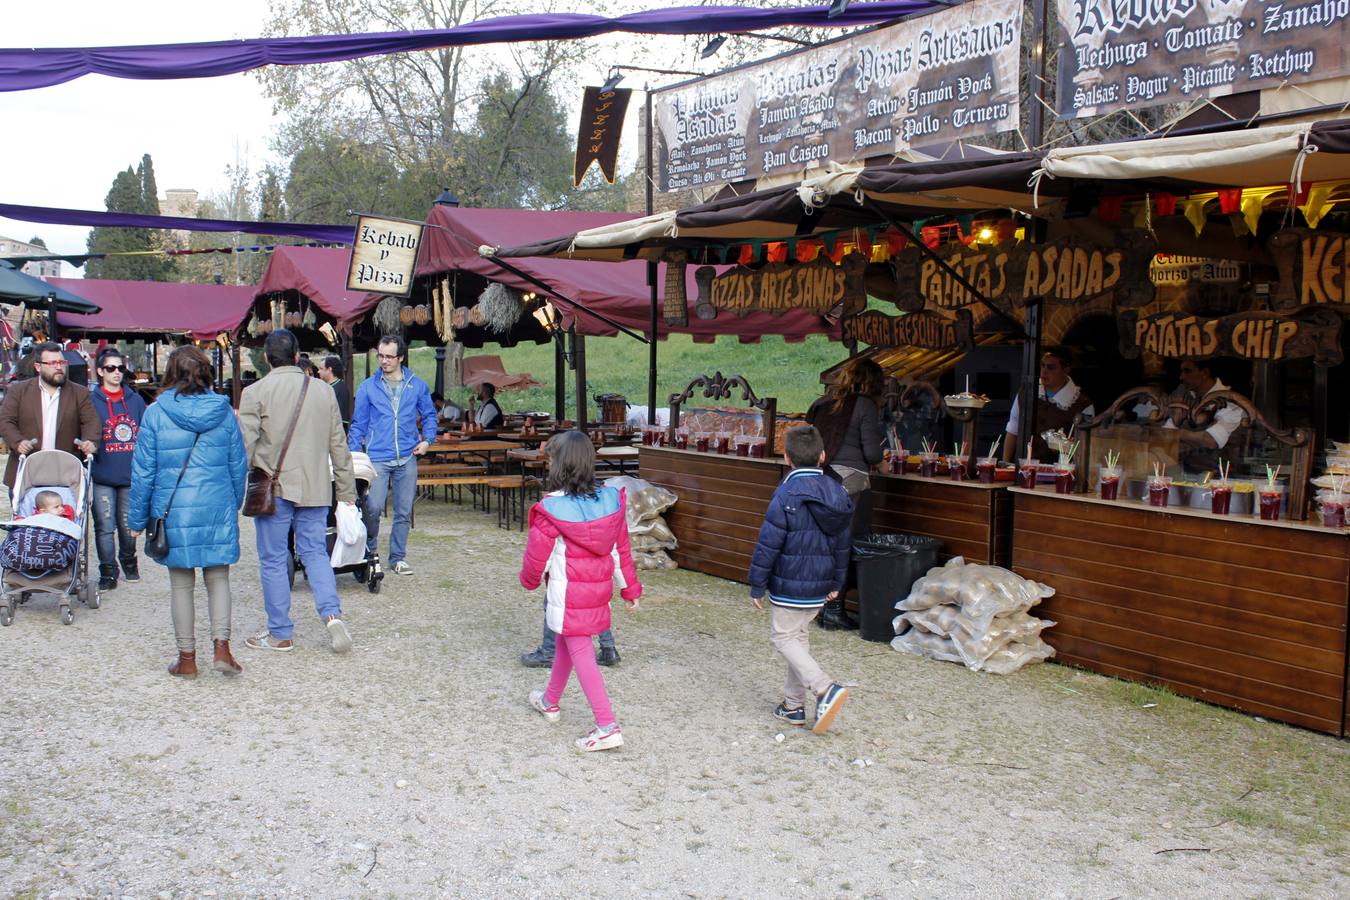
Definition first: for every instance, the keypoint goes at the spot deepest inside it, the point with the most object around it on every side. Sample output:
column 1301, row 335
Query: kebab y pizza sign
column 384, row 254
column 926, row 80
column 1118, row 54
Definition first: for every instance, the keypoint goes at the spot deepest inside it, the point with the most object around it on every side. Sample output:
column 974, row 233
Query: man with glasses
column 394, row 422
column 47, row 412
column 120, row 410
column 1201, row 449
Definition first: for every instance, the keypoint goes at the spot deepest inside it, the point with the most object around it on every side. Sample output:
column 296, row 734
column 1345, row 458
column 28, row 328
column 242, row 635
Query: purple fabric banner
column 24, row 69
column 47, row 215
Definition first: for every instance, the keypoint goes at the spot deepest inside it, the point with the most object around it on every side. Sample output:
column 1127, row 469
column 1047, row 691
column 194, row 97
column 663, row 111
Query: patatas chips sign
column 384, row 254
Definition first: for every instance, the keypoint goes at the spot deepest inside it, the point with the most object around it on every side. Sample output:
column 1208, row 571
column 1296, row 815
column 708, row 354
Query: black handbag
column 156, row 530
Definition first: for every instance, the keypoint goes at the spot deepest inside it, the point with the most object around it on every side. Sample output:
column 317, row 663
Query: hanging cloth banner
column 599, row 131
column 23, row 69
column 50, row 215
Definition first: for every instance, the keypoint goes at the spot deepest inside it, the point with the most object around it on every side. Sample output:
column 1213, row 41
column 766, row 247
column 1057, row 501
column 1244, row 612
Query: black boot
column 107, row 577
column 833, row 617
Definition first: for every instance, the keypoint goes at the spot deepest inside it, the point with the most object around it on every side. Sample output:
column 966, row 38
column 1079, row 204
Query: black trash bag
column 887, row 566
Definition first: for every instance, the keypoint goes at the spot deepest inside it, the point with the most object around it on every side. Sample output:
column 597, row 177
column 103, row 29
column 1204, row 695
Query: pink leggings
column 576, row 651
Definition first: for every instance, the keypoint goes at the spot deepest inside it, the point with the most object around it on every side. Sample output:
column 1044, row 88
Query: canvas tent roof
column 848, row 197
column 157, row 307
column 17, row 286
column 618, row 291
column 320, row 275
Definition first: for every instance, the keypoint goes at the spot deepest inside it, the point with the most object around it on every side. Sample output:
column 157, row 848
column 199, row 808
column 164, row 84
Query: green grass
column 788, row 372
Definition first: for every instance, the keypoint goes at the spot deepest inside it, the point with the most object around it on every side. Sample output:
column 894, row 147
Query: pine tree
column 132, row 191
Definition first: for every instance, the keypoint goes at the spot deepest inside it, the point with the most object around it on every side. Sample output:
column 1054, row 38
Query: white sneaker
column 550, row 713
column 342, row 638
column 402, row 568
column 601, row 739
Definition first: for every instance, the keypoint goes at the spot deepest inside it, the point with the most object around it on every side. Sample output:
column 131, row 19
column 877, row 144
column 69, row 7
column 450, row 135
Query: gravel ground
column 413, row 767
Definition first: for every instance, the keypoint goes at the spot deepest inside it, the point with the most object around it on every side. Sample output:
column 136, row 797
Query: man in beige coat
column 304, row 488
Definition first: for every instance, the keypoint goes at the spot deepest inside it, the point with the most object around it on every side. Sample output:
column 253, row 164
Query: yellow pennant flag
column 1317, row 203
column 1194, row 211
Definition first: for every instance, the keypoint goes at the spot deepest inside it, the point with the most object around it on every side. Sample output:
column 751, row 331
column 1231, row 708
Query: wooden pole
column 559, row 378
column 237, row 374
column 579, row 365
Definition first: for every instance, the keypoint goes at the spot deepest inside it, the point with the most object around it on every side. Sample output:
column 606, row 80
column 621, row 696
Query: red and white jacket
column 580, row 545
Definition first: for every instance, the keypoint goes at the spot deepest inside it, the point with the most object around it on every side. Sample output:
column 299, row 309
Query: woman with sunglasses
column 120, row 410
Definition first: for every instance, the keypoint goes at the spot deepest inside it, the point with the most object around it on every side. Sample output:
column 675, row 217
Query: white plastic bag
column 350, row 546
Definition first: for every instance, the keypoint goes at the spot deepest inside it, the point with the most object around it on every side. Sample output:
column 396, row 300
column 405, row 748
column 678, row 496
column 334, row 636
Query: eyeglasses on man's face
column 54, row 363
column 387, row 355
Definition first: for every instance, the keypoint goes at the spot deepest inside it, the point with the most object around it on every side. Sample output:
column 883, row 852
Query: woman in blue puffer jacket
column 192, row 430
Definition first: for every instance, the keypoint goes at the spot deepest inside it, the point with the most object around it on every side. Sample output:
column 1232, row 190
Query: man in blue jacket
column 120, row 410
column 394, row 422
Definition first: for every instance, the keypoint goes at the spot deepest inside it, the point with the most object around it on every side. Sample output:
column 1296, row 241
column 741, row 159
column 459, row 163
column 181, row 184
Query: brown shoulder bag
column 260, row 498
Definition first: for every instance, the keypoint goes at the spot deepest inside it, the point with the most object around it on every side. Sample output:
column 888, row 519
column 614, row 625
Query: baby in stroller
column 46, row 551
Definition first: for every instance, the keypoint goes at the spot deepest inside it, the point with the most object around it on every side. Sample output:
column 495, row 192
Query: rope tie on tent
column 1296, row 176
column 810, row 196
column 487, row 250
column 674, row 230
column 858, row 196
column 1034, row 182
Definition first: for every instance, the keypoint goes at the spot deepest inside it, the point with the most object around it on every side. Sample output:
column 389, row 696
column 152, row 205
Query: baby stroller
column 66, row 475
column 368, row 571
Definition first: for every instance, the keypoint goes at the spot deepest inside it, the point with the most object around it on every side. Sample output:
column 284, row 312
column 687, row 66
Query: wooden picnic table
column 621, row 455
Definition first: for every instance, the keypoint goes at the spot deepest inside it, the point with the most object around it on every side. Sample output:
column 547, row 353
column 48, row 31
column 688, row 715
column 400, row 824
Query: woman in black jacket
column 849, row 421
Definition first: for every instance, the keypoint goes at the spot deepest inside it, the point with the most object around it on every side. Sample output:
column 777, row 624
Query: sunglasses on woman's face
column 122, row 369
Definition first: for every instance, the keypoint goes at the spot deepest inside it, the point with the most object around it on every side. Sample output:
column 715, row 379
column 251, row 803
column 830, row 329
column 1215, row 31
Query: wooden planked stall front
column 1232, row 610
column 972, row 520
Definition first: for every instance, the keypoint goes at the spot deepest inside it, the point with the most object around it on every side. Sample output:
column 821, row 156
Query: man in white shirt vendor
column 1200, row 448
column 1059, row 404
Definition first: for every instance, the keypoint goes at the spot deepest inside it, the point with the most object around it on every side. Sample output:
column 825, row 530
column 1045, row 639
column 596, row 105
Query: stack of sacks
column 974, row 615
column 651, row 536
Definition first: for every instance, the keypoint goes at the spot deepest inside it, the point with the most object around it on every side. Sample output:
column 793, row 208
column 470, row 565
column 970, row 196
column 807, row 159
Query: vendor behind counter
column 1059, row 404
column 1201, row 450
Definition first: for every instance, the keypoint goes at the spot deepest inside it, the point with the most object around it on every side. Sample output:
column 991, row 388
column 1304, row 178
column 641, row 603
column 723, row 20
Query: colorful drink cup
column 1110, row 482
column 928, row 465
column 682, row 440
column 1270, row 499
column 895, row 463
column 984, row 469
column 1064, row 479
column 757, row 448
column 742, row 445
column 701, row 441
column 1159, row 489
column 956, row 467
column 1333, row 513
column 1026, row 473
column 724, row 442
column 1220, row 497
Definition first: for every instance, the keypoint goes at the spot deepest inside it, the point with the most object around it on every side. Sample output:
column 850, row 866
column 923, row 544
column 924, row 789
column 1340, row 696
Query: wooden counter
column 971, row 519
column 722, row 504
column 1246, row 614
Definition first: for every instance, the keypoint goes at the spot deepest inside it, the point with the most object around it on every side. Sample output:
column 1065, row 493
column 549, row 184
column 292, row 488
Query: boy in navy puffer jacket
column 801, row 560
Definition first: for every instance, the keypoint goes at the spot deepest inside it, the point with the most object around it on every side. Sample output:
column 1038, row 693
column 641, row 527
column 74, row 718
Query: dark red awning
column 320, row 275
column 156, row 307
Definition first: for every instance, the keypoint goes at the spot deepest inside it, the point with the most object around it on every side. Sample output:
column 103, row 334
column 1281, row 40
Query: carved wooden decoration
column 676, row 303
column 719, row 387
column 1196, row 417
column 703, row 277
column 817, row 286
column 1007, row 275
column 1259, row 336
column 1314, row 269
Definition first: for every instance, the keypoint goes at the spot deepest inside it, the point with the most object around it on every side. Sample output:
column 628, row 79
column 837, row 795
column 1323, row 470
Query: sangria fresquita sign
column 927, row 80
column 927, row 329
column 384, row 254
column 1117, row 54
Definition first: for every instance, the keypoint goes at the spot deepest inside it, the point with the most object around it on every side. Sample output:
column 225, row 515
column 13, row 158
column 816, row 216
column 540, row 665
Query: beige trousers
column 790, row 634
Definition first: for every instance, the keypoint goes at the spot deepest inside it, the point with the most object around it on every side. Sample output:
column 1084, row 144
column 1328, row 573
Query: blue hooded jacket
column 803, row 549
column 120, row 420
column 203, row 525
column 380, row 431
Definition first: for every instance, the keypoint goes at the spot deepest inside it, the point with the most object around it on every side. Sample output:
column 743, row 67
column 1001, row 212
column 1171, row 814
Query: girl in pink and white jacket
column 578, row 543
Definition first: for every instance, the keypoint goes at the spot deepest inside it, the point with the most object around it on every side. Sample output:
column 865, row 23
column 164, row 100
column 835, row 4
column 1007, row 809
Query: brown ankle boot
column 185, row 666
column 224, row 662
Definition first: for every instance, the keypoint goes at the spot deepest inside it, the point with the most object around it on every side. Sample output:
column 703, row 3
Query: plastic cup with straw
column 1159, row 486
column 1111, row 475
column 1333, row 507
column 956, row 463
column 985, row 467
column 1027, row 469
column 928, row 460
column 1271, row 495
column 1221, row 492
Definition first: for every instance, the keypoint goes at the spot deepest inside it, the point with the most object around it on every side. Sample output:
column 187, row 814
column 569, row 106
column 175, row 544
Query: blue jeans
column 404, row 475
column 111, row 537
column 549, row 643
column 310, row 523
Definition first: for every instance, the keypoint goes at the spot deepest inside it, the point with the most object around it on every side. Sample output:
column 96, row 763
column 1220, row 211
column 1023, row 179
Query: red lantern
column 1230, row 200
column 1165, row 204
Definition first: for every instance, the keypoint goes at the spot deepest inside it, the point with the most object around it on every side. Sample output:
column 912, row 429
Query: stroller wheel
column 67, row 616
column 362, row 575
column 374, row 585
column 6, row 616
column 89, row 595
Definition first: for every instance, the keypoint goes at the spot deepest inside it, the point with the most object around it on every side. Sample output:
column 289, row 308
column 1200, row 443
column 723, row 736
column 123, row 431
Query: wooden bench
column 431, row 476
